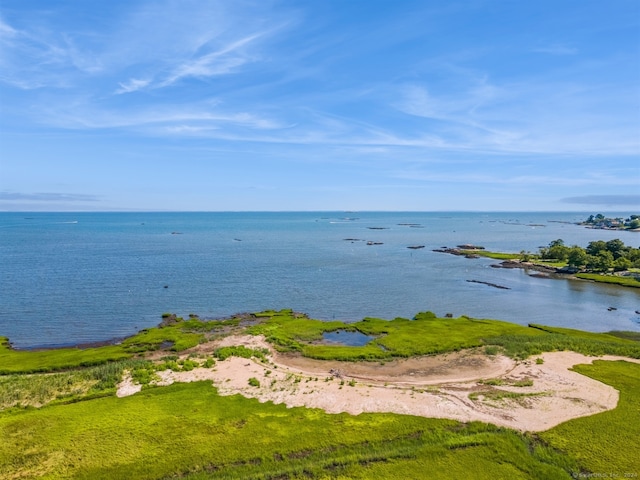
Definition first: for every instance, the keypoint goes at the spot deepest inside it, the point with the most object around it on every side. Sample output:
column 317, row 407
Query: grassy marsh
column 79, row 429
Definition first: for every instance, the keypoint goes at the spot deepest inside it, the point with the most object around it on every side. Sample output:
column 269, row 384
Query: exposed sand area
column 441, row 386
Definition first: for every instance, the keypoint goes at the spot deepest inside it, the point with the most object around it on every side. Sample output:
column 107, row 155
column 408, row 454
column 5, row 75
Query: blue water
column 342, row 337
column 70, row 278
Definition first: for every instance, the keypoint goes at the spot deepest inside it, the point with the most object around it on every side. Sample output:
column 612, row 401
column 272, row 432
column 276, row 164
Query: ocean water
column 68, row 278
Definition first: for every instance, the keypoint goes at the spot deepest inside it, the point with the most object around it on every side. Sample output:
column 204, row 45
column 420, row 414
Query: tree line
column 599, row 256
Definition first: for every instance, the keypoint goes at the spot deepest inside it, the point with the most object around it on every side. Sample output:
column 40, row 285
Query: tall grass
column 188, row 431
column 606, row 443
column 564, row 339
column 36, row 390
column 24, row 361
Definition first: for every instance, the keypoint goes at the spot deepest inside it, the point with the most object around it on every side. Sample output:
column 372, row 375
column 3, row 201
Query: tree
column 557, row 250
column 602, row 262
column 525, row 256
column 616, row 247
column 621, row 264
column 596, row 247
column 576, row 257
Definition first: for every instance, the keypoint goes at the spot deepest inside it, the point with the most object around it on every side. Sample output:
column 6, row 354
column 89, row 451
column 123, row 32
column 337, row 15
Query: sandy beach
column 465, row 386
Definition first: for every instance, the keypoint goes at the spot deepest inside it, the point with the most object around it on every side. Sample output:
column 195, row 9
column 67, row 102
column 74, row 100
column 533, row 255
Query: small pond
column 343, row 337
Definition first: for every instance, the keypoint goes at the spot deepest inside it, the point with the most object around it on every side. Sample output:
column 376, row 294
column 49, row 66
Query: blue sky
column 320, row 105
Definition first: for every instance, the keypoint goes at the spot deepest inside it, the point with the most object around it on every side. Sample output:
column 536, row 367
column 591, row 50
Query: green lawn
column 612, row 279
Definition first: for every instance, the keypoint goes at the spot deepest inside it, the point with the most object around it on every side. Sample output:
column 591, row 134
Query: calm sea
column 71, row 278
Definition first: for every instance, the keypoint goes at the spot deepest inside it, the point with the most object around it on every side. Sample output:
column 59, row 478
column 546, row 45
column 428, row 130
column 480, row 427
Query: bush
column 254, row 382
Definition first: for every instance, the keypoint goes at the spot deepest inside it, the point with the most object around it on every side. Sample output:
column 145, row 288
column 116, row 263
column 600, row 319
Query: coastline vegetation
column 174, row 334
column 70, row 424
column 610, row 262
column 426, row 334
column 607, row 223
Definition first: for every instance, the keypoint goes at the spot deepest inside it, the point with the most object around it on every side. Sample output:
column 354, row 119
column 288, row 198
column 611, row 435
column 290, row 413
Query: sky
column 206, row 105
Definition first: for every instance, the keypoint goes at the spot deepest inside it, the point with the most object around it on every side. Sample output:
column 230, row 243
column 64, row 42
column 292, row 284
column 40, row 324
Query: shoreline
column 509, row 260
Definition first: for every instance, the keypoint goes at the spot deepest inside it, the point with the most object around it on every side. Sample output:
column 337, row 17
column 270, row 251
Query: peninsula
column 610, row 262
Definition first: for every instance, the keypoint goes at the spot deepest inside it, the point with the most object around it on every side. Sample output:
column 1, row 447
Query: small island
column 608, row 262
column 599, row 221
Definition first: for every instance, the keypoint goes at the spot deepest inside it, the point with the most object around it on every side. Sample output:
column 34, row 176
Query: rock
column 509, row 264
column 540, row 275
column 489, row 284
column 452, row 251
column 568, row 269
column 468, row 246
column 416, row 247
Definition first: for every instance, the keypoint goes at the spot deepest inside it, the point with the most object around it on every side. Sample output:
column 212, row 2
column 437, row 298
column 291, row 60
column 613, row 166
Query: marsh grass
column 188, row 431
column 176, row 336
column 494, row 255
column 496, row 395
column 25, row 361
column 401, row 337
column 241, row 351
column 36, row 390
column 565, row 339
column 609, row 441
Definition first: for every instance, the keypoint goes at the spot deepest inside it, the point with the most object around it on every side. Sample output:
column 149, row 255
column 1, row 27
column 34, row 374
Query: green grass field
column 81, row 430
column 606, row 443
column 188, row 430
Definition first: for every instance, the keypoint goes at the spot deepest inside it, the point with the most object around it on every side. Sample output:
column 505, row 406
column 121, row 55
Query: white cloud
column 132, row 85
column 6, row 30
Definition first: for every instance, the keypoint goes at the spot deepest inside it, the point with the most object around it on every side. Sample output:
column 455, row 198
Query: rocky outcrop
column 489, row 284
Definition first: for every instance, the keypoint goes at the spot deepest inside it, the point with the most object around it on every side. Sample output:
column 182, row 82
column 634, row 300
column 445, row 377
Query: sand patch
column 443, row 386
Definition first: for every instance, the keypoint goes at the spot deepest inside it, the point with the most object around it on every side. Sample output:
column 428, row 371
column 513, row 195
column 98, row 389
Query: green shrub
column 254, row 382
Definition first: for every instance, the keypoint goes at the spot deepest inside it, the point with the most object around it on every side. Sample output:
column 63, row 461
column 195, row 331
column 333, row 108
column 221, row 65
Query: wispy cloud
column 186, row 119
column 6, row 30
column 220, row 62
column 132, row 85
column 48, row 197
